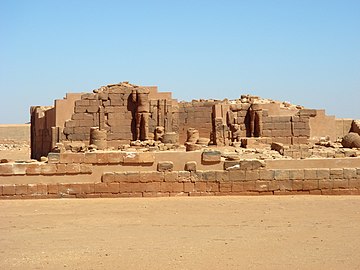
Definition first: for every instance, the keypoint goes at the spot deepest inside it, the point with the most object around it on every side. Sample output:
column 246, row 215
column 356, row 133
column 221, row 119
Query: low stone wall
column 122, row 174
column 200, row 183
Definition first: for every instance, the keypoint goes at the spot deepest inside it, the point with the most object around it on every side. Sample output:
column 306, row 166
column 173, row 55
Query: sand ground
column 300, row 232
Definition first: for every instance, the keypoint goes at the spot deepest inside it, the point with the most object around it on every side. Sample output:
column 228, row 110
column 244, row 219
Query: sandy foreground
column 269, row 232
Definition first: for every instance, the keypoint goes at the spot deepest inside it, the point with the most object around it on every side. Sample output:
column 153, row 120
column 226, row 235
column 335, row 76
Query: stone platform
column 171, row 173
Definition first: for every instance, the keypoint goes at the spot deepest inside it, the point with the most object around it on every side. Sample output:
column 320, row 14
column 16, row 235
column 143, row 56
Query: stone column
column 98, row 138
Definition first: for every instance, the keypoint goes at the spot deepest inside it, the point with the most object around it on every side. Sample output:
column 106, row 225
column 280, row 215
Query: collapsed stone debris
column 127, row 140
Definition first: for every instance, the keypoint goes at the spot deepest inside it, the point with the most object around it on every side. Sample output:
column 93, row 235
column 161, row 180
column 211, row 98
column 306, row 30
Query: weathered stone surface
column 138, row 158
column 211, row 156
column 165, row 166
column 192, row 146
column 278, row 147
column 171, row 137
column 190, row 166
column 351, row 140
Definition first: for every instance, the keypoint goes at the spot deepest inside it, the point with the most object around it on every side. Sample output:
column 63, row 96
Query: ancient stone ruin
column 126, row 140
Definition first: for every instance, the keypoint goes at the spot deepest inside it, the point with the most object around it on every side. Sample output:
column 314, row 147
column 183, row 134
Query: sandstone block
column 231, row 165
column 87, row 188
column 200, row 186
column 323, row 174
column 8, row 190
column 65, row 189
column 266, row 174
column 354, row 183
column 125, row 187
column 115, row 157
column 72, row 168
column 60, row 168
column 279, row 147
column 262, row 186
column 351, row 140
column 19, row 168
column 80, row 109
column 221, row 176
column 190, row 166
column 33, row 169
column 171, row 187
column 92, row 109
column 53, row 188
column 237, row 187
column 171, row 137
column 138, row 158
column 184, row 176
column 249, row 185
column 215, row 186
column 107, row 188
column 325, row 184
column 108, row 177
column 165, row 166
column 21, row 189
column 102, row 158
column 212, row 156
column 281, row 174
column 42, row 189
column 237, row 175
column 193, row 146
column 6, row 169
column 72, row 158
column 310, row 174
column 151, row 177
column 297, row 174
column 310, row 184
column 85, row 169
column 90, row 158
column 81, row 103
column 171, row 176
column 74, row 188
column 53, row 157
column 189, row 187
column 225, row 186
column 349, row 173
column 212, row 175
column 130, row 177
column 32, row 189
column 297, row 185
column 152, row 187
column 285, row 185
column 48, row 169
column 251, row 164
column 273, row 185
column 336, row 173
column 252, row 175
column 340, row 183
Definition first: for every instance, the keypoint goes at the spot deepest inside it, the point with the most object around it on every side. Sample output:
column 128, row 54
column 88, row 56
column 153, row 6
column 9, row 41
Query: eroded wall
column 115, row 174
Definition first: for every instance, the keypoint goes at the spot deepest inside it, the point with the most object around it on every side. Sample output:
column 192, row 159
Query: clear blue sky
column 305, row 52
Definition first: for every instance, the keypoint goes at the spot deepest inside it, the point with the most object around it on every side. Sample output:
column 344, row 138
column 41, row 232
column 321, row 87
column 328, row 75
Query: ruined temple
column 124, row 112
column 124, row 140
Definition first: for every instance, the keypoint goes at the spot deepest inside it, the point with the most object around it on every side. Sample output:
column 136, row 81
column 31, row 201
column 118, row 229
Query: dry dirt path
column 303, row 232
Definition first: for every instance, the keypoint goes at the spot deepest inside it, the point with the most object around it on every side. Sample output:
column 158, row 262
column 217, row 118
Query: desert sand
column 300, row 232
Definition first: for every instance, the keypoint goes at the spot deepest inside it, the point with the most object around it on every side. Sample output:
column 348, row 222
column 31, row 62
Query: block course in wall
column 246, row 179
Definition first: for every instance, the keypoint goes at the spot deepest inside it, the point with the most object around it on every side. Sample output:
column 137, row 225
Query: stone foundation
column 127, row 174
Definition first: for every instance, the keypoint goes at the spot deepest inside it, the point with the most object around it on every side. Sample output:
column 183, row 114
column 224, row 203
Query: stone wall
column 196, row 114
column 111, row 108
column 126, row 174
column 43, row 131
column 200, row 183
